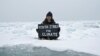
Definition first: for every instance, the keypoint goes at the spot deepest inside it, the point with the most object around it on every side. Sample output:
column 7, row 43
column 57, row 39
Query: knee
column 37, row 30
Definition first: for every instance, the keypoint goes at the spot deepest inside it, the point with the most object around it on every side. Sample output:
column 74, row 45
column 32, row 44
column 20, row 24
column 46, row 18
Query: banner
column 48, row 30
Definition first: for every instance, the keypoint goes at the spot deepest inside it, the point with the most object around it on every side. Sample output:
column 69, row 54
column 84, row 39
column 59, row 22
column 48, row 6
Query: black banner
column 48, row 30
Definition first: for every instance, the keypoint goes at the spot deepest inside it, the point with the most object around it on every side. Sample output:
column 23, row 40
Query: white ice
column 82, row 36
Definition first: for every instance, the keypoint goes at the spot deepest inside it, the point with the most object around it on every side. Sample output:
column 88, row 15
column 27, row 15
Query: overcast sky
column 35, row 10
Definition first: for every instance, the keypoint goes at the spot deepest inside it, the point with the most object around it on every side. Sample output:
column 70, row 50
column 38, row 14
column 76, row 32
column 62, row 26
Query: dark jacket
column 52, row 22
column 46, row 22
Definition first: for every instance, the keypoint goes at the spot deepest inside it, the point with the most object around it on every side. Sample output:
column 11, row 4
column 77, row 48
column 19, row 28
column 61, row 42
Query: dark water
column 28, row 50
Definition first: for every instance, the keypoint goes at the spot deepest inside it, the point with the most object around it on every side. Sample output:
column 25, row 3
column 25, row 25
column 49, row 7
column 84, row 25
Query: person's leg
column 58, row 29
column 40, row 37
column 55, row 38
column 44, row 38
column 50, row 38
column 47, row 38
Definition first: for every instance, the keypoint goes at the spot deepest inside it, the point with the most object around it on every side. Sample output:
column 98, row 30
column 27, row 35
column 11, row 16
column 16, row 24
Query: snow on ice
column 79, row 36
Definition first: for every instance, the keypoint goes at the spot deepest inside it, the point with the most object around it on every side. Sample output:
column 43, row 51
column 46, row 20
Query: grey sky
column 35, row 10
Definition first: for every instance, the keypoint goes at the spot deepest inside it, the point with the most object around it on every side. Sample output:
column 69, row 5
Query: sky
column 36, row 10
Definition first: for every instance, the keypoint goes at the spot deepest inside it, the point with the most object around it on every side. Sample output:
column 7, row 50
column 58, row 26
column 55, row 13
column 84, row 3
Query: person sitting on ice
column 48, row 20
